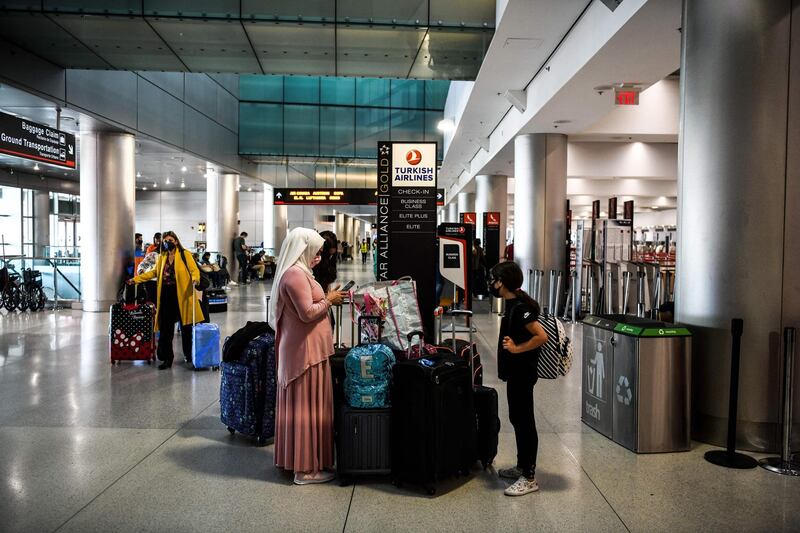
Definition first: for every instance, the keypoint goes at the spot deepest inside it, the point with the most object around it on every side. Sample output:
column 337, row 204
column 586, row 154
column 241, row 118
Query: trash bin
column 637, row 382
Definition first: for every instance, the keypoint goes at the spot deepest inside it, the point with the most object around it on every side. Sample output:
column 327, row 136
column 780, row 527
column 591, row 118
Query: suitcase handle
column 457, row 312
column 410, row 336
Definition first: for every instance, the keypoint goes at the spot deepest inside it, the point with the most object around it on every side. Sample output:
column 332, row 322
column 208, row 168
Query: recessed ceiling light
column 138, row 174
column 167, row 182
column 144, row 188
column 184, row 169
column 183, row 185
column 249, row 189
column 155, row 185
column 654, row 207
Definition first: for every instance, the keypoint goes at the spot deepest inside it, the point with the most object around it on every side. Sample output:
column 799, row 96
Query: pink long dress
column 304, row 418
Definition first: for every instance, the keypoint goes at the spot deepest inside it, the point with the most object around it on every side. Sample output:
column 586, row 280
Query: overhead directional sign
column 343, row 196
column 36, row 142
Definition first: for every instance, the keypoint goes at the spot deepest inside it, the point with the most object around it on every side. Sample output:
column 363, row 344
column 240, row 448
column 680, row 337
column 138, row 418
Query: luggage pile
column 363, row 416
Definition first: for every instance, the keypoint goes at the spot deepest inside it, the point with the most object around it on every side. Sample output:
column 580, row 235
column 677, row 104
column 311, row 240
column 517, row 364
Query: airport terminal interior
column 635, row 161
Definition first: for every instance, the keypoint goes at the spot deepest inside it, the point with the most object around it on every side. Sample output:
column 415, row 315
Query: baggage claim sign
column 407, row 218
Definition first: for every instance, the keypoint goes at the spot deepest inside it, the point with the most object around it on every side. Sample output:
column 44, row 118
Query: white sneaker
column 510, row 473
column 309, row 478
column 521, row 487
column 233, row 283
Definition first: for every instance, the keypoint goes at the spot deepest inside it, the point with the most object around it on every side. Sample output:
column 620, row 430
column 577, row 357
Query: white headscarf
column 299, row 248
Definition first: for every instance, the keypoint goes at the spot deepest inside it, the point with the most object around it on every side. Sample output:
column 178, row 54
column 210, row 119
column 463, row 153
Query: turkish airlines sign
column 36, row 142
column 413, row 165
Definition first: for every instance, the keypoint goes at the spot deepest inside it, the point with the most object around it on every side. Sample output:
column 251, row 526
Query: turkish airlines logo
column 414, row 157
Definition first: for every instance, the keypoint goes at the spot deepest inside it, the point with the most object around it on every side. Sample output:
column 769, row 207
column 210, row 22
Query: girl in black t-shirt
column 521, row 335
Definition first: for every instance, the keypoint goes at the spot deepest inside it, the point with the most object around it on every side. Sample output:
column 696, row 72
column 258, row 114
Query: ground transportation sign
column 407, row 218
column 22, row 138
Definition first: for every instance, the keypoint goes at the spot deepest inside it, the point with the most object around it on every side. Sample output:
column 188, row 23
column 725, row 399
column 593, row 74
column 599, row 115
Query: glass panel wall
column 336, row 116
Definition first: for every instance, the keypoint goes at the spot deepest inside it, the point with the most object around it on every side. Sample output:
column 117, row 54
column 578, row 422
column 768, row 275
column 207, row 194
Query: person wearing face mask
column 303, row 343
column 177, row 275
column 521, row 335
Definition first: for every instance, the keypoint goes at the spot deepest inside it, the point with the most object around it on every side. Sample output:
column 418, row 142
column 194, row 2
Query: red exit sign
column 626, row 97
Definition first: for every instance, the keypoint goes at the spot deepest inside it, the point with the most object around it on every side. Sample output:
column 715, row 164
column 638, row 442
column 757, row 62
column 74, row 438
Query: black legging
column 519, row 390
column 168, row 314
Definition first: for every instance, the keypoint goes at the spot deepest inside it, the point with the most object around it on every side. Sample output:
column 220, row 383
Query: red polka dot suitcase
column 131, row 336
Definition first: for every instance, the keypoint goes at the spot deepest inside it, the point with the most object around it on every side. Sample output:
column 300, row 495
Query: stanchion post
column 729, row 458
column 783, row 464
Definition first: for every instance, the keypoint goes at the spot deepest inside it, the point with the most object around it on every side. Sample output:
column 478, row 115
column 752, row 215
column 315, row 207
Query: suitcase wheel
column 261, row 441
column 231, row 430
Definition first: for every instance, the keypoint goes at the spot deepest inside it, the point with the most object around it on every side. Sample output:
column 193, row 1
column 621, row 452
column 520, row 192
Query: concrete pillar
column 540, row 172
column 41, row 223
column 281, row 226
column 738, row 204
column 466, row 202
column 339, row 226
column 108, row 195
column 269, row 217
column 491, row 194
column 452, row 212
column 222, row 216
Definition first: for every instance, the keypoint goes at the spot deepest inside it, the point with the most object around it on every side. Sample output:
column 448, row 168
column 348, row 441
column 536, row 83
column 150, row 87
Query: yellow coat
column 184, row 279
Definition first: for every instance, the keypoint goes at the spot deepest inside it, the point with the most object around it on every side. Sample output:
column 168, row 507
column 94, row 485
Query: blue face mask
column 168, row 246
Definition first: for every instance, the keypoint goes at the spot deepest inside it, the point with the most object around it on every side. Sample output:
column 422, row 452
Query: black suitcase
column 363, row 442
column 487, row 419
column 433, row 420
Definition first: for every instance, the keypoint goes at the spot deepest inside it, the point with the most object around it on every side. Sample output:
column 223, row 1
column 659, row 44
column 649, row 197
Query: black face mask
column 494, row 291
column 168, row 246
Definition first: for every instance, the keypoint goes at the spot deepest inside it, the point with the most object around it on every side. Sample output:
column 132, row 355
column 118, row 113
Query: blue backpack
column 368, row 372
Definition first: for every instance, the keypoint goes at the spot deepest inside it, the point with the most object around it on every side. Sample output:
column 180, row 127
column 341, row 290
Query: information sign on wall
column 328, row 196
column 406, row 222
column 36, row 142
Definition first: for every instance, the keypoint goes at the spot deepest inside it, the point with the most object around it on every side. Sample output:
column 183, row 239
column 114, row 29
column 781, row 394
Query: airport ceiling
column 426, row 39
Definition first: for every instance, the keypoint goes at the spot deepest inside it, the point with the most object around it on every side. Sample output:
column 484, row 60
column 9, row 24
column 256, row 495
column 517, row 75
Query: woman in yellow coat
column 177, row 274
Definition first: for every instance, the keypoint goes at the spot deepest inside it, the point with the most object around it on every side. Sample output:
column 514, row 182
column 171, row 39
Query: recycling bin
column 636, row 382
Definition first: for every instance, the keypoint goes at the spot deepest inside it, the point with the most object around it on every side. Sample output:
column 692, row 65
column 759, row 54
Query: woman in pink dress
column 304, row 341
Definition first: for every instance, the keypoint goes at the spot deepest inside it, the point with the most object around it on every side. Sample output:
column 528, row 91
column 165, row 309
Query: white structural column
column 269, row 217
column 339, row 226
column 491, row 195
column 452, row 212
column 466, row 203
column 222, row 215
column 540, row 172
column 41, row 222
column 739, row 209
column 108, row 196
column 281, row 215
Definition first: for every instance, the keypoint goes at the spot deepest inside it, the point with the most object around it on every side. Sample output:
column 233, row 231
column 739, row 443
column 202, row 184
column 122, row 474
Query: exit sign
column 626, row 97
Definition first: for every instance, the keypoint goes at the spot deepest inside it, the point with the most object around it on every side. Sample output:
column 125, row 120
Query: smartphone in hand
column 348, row 286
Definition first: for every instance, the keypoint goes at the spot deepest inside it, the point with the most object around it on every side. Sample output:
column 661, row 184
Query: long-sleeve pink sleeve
column 297, row 292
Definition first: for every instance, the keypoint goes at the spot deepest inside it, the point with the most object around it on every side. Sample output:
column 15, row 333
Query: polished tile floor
column 87, row 446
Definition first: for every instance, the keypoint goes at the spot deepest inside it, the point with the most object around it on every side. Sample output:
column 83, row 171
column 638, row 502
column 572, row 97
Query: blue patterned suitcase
column 248, row 391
